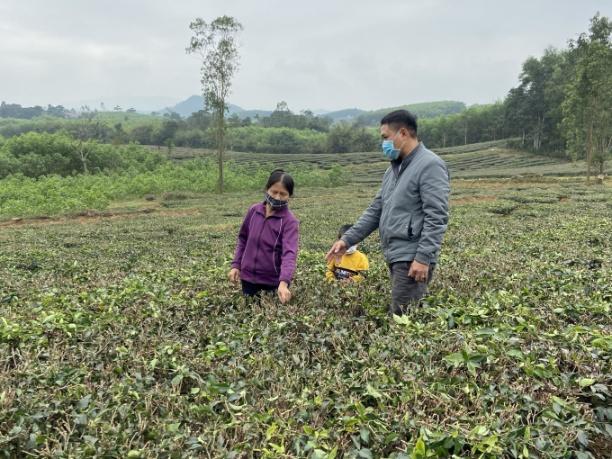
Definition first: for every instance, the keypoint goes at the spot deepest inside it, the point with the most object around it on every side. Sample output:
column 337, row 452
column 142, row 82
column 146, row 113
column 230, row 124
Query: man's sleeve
column 367, row 223
column 435, row 189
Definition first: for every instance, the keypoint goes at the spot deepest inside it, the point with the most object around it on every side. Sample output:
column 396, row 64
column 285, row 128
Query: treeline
column 19, row 112
column 281, row 133
column 560, row 107
column 34, row 155
column 423, row 111
column 563, row 100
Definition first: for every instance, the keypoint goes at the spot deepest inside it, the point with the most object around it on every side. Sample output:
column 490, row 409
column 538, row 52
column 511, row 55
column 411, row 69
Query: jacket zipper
column 396, row 177
column 257, row 247
column 395, row 180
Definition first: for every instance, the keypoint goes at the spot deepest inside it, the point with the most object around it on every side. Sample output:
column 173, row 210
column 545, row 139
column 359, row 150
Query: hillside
column 422, row 110
column 482, row 160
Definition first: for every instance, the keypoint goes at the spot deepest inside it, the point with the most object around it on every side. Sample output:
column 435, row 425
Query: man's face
column 387, row 133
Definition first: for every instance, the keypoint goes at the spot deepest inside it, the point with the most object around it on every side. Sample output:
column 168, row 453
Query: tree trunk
column 536, row 134
column 465, row 132
column 606, row 145
column 83, row 157
column 444, row 140
column 589, row 152
column 220, row 142
column 537, row 138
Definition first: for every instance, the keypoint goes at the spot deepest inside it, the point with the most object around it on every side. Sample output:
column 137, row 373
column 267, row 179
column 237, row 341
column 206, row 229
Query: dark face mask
column 276, row 204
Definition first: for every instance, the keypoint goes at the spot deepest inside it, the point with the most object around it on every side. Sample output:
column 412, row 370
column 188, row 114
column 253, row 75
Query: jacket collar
column 400, row 165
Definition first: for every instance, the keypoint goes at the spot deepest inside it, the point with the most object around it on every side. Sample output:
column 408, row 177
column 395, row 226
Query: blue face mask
column 389, row 150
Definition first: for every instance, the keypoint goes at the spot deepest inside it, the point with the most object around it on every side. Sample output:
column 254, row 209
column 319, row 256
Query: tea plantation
column 120, row 336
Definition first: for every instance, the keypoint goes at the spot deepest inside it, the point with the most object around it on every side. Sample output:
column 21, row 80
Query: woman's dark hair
column 401, row 119
column 343, row 229
column 279, row 175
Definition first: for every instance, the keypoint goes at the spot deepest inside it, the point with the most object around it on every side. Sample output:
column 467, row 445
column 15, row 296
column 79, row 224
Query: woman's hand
column 284, row 295
column 234, row 275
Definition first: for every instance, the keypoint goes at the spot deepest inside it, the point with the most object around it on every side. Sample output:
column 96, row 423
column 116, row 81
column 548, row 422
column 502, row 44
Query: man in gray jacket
column 410, row 211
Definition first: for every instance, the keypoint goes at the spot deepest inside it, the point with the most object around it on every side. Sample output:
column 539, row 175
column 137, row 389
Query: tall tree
column 87, row 130
column 515, row 114
column 215, row 42
column 533, row 80
column 533, row 107
column 587, row 117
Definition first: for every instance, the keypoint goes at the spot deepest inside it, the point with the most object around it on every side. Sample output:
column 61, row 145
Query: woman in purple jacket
column 267, row 246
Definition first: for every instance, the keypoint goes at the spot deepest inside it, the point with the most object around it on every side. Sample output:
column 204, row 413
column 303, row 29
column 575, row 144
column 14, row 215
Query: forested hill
column 422, row 110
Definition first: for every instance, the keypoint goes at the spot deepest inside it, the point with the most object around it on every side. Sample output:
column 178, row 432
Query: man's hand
column 284, row 295
column 336, row 251
column 418, row 271
column 234, row 275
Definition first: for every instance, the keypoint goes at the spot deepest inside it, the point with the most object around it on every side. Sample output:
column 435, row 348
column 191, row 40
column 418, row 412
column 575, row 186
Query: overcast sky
column 317, row 54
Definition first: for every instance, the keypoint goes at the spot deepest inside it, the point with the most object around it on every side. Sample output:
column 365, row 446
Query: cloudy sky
column 317, row 54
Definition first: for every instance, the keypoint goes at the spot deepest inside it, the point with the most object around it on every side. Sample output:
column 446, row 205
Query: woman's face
column 278, row 191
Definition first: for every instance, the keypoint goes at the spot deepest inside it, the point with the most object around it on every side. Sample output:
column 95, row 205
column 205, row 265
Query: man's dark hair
column 279, row 175
column 401, row 119
column 343, row 229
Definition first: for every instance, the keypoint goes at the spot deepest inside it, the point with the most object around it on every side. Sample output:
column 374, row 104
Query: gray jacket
column 410, row 210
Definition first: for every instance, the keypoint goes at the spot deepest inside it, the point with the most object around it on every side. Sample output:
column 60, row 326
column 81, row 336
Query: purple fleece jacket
column 267, row 248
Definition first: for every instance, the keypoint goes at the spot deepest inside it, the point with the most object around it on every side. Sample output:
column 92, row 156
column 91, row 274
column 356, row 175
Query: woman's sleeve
column 290, row 249
column 243, row 235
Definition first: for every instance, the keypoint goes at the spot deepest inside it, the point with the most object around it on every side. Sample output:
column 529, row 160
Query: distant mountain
column 196, row 103
column 366, row 117
column 186, row 107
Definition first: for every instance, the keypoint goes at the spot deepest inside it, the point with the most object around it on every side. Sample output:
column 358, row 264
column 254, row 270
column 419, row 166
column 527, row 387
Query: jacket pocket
column 416, row 227
column 408, row 227
column 398, row 229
